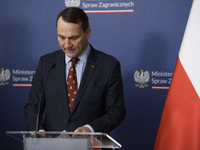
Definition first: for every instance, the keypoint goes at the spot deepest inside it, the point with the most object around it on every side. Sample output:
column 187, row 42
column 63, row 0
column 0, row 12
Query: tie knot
column 74, row 60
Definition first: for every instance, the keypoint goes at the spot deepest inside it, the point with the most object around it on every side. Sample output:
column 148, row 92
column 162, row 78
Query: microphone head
column 53, row 65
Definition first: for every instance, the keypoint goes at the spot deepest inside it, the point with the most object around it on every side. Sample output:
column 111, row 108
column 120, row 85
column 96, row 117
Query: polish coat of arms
column 141, row 78
column 4, row 76
column 72, row 3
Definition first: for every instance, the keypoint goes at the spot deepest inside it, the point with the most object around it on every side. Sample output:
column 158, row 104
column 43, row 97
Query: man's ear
column 88, row 32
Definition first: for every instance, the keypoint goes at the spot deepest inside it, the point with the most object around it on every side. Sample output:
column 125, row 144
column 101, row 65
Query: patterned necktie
column 72, row 85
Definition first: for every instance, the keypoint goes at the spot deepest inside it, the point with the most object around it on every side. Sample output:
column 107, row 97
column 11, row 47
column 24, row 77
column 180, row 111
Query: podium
column 64, row 140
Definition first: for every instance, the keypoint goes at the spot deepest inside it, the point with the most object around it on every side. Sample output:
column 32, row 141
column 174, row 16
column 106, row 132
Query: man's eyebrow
column 60, row 35
column 73, row 36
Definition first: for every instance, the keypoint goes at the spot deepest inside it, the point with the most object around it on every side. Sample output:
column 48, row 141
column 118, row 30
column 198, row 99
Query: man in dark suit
column 99, row 102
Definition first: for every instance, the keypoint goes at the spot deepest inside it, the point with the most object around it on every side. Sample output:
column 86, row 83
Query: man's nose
column 67, row 43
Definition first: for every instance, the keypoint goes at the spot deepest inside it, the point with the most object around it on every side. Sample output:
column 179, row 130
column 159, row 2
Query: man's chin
column 70, row 54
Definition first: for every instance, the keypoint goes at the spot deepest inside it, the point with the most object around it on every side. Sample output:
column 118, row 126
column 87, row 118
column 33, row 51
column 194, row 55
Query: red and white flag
column 180, row 122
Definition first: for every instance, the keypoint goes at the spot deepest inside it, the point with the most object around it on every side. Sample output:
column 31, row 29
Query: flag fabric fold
column 179, row 127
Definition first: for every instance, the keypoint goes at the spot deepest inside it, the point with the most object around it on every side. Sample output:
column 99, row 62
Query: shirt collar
column 82, row 57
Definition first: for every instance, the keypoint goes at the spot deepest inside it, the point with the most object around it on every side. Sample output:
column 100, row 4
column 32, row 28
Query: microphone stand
column 39, row 104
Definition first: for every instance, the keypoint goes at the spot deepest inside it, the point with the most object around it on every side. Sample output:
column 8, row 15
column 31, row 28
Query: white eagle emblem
column 4, row 76
column 141, row 78
column 72, row 3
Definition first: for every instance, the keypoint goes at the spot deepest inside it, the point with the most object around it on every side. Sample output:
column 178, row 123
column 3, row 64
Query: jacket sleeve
column 114, row 102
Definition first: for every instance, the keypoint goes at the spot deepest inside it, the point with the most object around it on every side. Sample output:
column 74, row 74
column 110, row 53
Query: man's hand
column 82, row 129
column 42, row 135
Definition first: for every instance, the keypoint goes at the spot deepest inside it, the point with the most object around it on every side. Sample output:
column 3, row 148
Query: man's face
column 71, row 37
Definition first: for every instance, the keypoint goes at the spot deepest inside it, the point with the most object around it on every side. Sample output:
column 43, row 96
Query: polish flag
column 180, row 122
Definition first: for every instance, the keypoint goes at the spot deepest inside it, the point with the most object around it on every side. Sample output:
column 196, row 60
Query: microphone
column 38, row 114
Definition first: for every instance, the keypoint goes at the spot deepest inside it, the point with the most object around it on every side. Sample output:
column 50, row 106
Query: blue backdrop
column 141, row 34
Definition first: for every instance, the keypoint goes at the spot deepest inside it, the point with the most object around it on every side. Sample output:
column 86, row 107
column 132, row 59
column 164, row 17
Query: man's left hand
column 81, row 129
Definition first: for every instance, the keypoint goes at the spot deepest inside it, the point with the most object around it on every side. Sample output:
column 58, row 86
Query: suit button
column 69, row 121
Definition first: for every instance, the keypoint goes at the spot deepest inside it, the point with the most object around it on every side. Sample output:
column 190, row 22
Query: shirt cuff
column 91, row 129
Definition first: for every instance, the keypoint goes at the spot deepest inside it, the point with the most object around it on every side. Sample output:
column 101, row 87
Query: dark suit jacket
column 99, row 101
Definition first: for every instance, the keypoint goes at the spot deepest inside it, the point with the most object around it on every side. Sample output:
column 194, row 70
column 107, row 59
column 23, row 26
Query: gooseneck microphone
column 39, row 103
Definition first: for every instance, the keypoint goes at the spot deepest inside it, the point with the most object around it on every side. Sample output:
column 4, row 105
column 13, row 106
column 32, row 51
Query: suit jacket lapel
column 87, row 75
column 61, row 78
